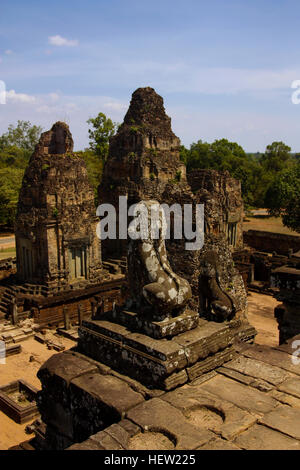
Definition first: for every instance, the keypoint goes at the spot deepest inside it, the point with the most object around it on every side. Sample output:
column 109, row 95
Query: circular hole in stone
column 151, row 440
column 206, row 417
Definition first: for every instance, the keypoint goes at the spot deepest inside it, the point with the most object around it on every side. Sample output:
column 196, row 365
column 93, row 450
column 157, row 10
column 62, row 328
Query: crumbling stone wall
column 272, row 242
column 56, row 221
column 222, row 197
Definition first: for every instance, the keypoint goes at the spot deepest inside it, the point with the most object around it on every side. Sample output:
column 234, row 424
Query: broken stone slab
column 285, row 398
column 284, row 419
column 210, row 412
column 40, row 338
column 244, row 397
column 257, row 369
column 6, row 336
column 157, row 414
column 13, row 349
column 27, row 331
column 263, row 438
column 273, row 357
column 55, row 346
column 244, row 379
column 291, row 386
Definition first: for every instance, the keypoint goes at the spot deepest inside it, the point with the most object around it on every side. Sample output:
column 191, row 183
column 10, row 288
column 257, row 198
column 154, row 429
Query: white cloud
column 11, row 95
column 54, row 97
column 60, row 41
column 115, row 106
column 8, row 52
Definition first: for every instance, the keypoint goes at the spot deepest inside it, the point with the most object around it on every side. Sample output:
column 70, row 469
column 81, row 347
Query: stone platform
column 158, row 363
column 186, row 321
column 252, row 402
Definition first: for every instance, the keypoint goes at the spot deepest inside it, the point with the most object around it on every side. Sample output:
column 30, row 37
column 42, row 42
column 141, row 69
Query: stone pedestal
column 158, row 363
column 168, row 327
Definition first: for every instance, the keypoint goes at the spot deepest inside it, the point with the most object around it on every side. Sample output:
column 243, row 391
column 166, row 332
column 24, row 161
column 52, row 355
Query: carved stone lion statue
column 215, row 303
column 154, row 287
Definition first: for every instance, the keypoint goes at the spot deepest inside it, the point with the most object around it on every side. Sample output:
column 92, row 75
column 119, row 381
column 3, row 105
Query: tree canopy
column 255, row 171
column 24, row 136
column 102, row 129
column 283, row 197
column 270, row 179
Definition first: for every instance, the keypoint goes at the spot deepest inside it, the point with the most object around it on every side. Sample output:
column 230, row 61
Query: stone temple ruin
column 59, row 264
column 170, row 363
column 56, row 239
column 144, row 163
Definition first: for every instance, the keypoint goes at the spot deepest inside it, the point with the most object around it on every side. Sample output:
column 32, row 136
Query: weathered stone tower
column 143, row 160
column 224, row 208
column 56, row 239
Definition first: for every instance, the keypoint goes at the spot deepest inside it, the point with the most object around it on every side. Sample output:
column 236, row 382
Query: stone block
column 106, row 441
column 108, row 392
column 257, row 369
column 284, row 419
column 244, row 397
column 285, row 398
column 273, row 357
column 187, row 320
column 210, row 363
column 157, row 414
column 291, row 386
column 263, row 438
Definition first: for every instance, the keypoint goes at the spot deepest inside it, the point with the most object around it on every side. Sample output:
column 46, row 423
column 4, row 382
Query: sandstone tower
column 143, row 160
column 56, row 239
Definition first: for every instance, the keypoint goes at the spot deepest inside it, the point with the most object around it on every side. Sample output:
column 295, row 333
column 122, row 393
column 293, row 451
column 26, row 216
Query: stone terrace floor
column 251, row 402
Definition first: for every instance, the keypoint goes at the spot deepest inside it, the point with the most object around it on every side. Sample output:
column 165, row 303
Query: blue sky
column 224, row 68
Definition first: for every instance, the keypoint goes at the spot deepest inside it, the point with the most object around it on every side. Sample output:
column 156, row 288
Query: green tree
column 10, row 185
column 94, row 169
column 24, row 136
column 283, row 197
column 277, row 156
column 102, row 130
